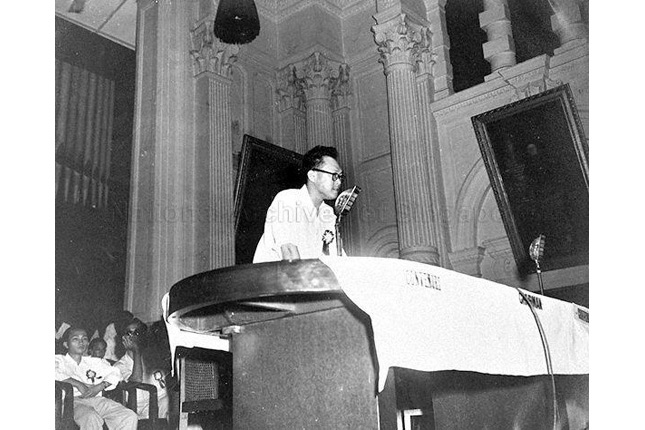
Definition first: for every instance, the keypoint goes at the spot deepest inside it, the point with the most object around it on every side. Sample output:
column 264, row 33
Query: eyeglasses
column 334, row 176
column 133, row 332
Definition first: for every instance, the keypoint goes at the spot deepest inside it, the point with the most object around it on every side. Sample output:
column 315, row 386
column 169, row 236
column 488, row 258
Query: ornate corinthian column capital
column 290, row 90
column 341, row 88
column 399, row 42
column 427, row 58
column 317, row 72
column 209, row 53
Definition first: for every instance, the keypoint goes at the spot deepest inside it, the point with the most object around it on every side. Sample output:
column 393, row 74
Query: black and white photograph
column 331, row 214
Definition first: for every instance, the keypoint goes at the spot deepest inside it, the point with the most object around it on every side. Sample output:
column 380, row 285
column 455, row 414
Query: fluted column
column 428, row 134
column 499, row 51
column 161, row 213
column 291, row 108
column 340, row 105
column 436, row 15
column 316, row 75
column 398, row 43
column 212, row 59
column 568, row 24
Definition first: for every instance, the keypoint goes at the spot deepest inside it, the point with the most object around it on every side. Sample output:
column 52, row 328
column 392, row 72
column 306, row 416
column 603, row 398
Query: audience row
column 139, row 354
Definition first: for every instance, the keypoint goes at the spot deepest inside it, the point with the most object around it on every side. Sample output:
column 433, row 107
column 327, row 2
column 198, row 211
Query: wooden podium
column 304, row 358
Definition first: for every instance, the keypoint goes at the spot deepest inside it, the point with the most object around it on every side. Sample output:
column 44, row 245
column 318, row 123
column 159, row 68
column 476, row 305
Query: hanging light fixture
column 236, row 21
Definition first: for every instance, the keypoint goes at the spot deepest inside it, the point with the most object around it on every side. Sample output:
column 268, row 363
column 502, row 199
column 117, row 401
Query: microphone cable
column 547, row 355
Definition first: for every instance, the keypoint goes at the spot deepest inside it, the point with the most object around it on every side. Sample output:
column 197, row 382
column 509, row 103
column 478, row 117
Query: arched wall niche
column 383, row 243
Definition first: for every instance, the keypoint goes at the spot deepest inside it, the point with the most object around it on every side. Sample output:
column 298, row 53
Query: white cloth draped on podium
column 428, row 318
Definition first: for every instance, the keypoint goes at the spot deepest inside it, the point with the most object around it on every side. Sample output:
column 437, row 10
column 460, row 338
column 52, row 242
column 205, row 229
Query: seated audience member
column 121, row 319
column 143, row 361
column 90, row 376
column 97, row 347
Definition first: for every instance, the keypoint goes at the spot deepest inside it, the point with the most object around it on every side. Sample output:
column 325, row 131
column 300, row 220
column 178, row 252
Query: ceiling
column 113, row 19
column 116, row 19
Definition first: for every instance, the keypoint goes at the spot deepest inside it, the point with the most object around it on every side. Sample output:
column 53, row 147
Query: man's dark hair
column 68, row 332
column 97, row 340
column 313, row 157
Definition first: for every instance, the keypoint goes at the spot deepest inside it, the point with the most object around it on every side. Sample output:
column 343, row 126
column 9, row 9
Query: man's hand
column 83, row 388
column 130, row 343
column 93, row 390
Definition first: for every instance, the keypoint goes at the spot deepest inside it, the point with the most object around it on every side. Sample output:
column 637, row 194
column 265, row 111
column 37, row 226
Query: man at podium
column 299, row 224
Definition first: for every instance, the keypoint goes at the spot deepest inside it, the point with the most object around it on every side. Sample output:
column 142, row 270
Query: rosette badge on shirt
column 327, row 238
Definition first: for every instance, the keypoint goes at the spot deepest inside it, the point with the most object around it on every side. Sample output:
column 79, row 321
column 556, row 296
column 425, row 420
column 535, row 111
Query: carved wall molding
column 468, row 261
column 341, row 91
column 290, row 91
column 315, row 77
column 210, row 54
column 529, row 78
column 383, row 243
column 400, row 42
column 500, row 263
column 470, row 198
column 279, row 11
column 477, row 99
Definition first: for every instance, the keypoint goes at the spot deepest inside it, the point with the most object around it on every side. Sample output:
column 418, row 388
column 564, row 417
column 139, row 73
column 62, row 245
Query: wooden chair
column 152, row 422
column 64, row 400
column 205, row 387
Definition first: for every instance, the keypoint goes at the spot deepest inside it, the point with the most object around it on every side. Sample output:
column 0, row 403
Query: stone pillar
column 499, row 51
column 436, row 15
column 568, row 24
column 212, row 59
column 340, row 106
column 291, row 108
column 317, row 74
column 468, row 261
column 398, row 43
column 340, row 99
column 428, row 133
column 161, row 227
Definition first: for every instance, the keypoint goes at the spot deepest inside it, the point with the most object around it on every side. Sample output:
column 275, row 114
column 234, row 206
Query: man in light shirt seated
column 90, row 376
column 299, row 224
column 144, row 361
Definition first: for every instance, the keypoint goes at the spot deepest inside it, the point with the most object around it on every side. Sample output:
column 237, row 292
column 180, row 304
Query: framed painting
column 264, row 170
column 536, row 157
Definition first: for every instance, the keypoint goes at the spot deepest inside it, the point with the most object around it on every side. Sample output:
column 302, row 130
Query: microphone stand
column 343, row 204
column 339, row 240
column 536, row 250
column 538, row 270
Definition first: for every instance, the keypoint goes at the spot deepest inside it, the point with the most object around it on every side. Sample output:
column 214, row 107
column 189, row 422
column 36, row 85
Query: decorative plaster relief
column 529, row 78
column 341, row 88
column 290, row 91
column 312, row 78
column 209, row 53
column 459, row 107
column 383, row 243
column 501, row 262
column 468, row 261
column 464, row 219
column 400, row 41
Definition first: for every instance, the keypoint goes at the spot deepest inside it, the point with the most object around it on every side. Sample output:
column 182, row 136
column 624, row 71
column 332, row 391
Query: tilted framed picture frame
column 537, row 159
column 264, row 170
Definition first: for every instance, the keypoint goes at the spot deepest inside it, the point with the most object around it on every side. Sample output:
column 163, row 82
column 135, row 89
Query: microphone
column 536, row 251
column 342, row 205
column 345, row 200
